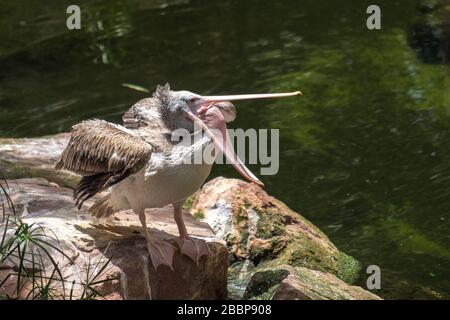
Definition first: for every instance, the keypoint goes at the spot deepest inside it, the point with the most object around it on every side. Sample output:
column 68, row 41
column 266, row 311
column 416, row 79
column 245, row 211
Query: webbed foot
column 194, row 248
column 161, row 253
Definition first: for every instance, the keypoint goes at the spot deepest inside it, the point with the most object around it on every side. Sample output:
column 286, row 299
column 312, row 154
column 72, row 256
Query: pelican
column 142, row 166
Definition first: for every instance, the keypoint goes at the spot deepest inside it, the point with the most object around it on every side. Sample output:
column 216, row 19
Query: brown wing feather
column 104, row 153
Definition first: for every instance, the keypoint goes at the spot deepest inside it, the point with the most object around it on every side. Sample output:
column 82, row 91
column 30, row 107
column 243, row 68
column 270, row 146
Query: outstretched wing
column 104, row 154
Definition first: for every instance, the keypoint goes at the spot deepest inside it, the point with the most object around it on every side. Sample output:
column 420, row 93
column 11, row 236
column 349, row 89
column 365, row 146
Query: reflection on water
column 364, row 153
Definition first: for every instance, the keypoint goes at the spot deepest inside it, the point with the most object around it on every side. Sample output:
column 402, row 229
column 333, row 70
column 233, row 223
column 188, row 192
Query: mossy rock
column 264, row 283
column 288, row 282
column 262, row 232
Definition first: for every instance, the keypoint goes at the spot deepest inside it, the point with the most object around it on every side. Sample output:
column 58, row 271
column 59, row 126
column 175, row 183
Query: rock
column 298, row 283
column 87, row 241
column 262, row 232
column 35, row 158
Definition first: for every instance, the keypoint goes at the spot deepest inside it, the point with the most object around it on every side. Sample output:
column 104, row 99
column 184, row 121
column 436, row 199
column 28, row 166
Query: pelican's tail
column 102, row 208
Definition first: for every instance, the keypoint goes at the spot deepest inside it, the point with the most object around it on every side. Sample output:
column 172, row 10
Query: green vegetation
column 199, row 215
column 188, row 203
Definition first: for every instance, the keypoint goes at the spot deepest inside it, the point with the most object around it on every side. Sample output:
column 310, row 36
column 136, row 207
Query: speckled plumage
column 138, row 160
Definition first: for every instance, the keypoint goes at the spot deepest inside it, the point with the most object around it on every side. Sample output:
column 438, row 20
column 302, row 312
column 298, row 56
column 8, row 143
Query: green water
column 364, row 153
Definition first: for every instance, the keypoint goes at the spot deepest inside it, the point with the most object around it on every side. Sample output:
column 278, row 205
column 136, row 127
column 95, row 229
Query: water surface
column 364, row 153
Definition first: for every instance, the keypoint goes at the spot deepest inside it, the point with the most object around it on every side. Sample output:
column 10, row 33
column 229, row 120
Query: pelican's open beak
column 212, row 122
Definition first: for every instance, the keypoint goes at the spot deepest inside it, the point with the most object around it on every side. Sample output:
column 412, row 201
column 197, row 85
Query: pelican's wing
column 131, row 119
column 104, row 154
column 145, row 119
column 142, row 114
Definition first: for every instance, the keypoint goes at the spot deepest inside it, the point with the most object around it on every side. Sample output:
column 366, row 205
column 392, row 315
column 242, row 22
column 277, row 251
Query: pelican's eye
column 192, row 99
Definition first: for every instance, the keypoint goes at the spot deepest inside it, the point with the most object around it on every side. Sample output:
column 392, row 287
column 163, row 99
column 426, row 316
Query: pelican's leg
column 191, row 247
column 161, row 252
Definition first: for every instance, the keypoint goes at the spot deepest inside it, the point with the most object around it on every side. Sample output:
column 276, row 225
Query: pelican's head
column 184, row 109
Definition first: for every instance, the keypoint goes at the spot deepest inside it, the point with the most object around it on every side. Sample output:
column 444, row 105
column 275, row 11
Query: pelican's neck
column 200, row 142
column 199, row 150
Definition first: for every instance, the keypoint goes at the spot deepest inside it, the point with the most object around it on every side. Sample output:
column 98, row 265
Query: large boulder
column 88, row 243
column 263, row 234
